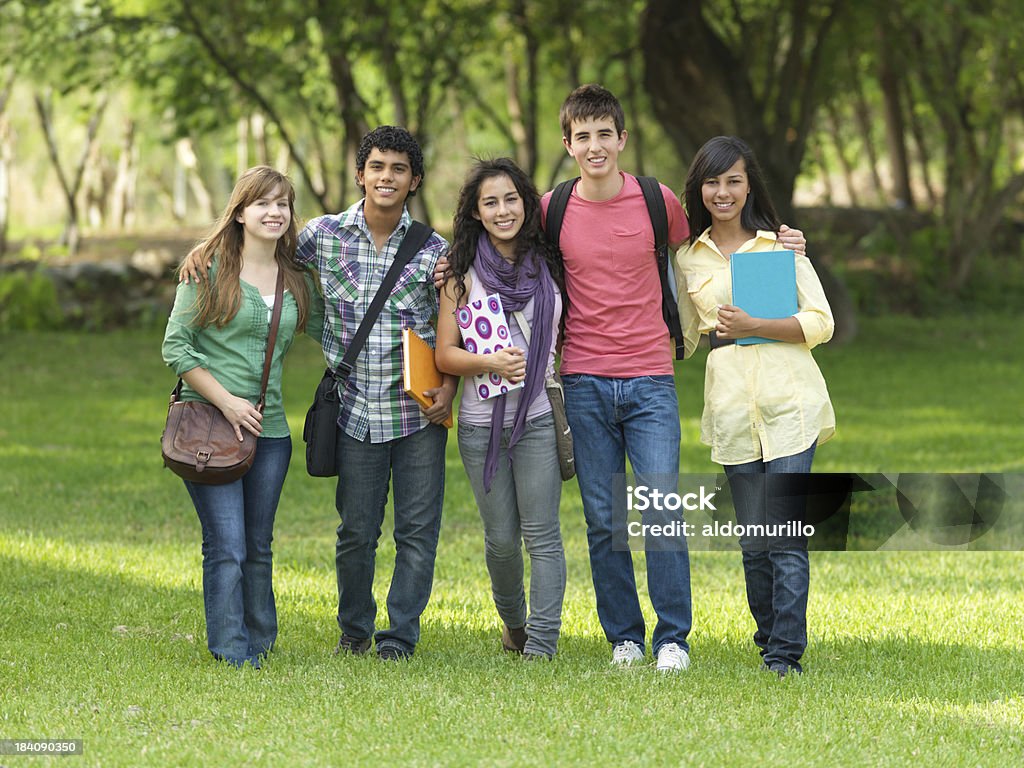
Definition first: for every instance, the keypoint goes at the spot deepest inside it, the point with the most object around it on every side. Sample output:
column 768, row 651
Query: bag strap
column 557, row 204
column 275, row 322
column 415, row 237
column 523, row 325
column 659, row 221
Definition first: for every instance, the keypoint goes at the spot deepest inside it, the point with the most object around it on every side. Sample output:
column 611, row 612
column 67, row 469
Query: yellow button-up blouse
column 762, row 401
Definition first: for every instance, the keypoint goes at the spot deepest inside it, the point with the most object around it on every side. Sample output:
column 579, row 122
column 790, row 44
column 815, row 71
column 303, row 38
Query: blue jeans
column 776, row 568
column 238, row 526
column 414, row 466
column 639, row 418
column 522, row 506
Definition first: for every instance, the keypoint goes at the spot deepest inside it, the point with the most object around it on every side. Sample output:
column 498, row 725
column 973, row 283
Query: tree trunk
column 70, row 188
column 122, row 203
column 96, row 183
column 189, row 162
column 242, row 146
column 840, row 145
column 895, row 131
column 921, row 145
column 864, row 124
column 352, row 107
column 6, row 159
column 259, row 137
column 826, row 177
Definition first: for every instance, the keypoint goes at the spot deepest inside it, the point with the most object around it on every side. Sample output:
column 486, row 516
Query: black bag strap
column 659, row 221
column 556, row 210
column 415, row 238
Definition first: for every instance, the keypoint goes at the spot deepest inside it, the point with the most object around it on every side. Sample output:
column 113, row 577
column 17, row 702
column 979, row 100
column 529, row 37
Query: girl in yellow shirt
column 766, row 407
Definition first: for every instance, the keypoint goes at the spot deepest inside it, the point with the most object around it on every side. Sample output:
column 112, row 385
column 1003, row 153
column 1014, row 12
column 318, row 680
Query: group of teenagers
column 595, row 300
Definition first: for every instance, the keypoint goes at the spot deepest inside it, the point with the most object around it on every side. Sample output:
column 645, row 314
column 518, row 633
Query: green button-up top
column 234, row 354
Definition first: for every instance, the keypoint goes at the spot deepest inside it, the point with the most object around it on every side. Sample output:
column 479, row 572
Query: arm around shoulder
column 315, row 318
column 814, row 313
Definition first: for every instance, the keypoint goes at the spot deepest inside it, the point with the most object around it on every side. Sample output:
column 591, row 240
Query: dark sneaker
column 393, row 653
column 357, row 646
column 530, row 656
column 781, row 669
column 513, row 640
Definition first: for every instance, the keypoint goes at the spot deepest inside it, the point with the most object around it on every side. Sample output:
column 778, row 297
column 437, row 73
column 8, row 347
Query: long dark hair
column 466, row 228
column 218, row 300
column 715, row 158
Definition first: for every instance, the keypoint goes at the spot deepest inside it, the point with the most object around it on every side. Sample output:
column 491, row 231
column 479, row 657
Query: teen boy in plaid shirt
column 383, row 434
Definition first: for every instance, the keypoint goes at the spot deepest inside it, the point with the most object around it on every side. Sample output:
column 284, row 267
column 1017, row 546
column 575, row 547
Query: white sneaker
column 626, row 652
column 672, row 658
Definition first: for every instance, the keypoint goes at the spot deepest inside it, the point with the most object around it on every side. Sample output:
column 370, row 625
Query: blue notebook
column 764, row 285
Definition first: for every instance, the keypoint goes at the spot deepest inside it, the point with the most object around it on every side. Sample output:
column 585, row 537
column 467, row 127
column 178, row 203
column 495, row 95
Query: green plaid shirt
column 351, row 270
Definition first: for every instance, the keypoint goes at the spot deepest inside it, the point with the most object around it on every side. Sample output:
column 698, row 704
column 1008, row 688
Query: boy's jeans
column 639, row 418
column 414, row 467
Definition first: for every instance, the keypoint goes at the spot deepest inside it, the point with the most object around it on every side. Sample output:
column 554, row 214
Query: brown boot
column 513, row 640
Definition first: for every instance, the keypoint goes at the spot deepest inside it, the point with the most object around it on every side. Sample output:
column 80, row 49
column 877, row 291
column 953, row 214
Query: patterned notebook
column 485, row 330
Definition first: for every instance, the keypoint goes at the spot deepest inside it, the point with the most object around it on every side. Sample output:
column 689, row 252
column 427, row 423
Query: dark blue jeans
column 414, row 466
column 776, row 568
column 238, row 526
column 639, row 418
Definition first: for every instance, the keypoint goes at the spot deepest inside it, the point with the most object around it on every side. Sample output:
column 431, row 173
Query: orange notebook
column 418, row 370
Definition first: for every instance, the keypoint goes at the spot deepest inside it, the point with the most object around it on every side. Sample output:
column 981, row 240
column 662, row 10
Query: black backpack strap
column 415, row 238
column 556, row 210
column 659, row 221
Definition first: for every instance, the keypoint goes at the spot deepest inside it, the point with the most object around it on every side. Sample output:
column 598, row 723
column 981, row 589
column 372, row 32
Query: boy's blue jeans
column 414, row 468
column 639, row 418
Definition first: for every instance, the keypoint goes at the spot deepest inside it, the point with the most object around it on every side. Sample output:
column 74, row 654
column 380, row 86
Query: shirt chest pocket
column 700, row 286
column 631, row 249
column 409, row 299
column 342, row 282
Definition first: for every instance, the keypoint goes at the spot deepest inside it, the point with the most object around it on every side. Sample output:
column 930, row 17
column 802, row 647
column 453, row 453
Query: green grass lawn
column 915, row 658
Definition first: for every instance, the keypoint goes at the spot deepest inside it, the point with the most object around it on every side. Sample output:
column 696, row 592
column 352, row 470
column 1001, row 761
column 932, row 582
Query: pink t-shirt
column 614, row 326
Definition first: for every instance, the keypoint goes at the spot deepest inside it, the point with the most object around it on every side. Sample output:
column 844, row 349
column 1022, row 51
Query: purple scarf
column 517, row 284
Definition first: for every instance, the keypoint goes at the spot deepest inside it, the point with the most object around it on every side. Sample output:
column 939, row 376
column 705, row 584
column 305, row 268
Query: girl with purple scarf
column 507, row 442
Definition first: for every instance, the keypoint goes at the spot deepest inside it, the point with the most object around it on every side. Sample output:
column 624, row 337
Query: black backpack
column 659, row 220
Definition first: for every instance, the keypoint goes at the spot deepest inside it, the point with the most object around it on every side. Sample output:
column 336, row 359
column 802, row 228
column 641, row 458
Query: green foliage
column 28, row 302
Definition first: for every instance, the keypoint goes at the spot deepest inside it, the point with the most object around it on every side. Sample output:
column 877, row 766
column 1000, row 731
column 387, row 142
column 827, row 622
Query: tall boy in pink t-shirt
column 620, row 395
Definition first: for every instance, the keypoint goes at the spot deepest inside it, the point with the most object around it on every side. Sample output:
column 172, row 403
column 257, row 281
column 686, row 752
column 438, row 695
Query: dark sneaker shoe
column 513, row 640
column 357, row 646
column 781, row 669
column 393, row 653
column 537, row 656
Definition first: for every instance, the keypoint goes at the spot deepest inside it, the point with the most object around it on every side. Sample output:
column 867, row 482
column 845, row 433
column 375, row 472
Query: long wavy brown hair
column 218, row 299
column 466, row 228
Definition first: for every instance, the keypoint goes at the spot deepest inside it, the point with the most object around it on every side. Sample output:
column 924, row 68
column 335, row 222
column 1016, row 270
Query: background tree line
column 145, row 109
